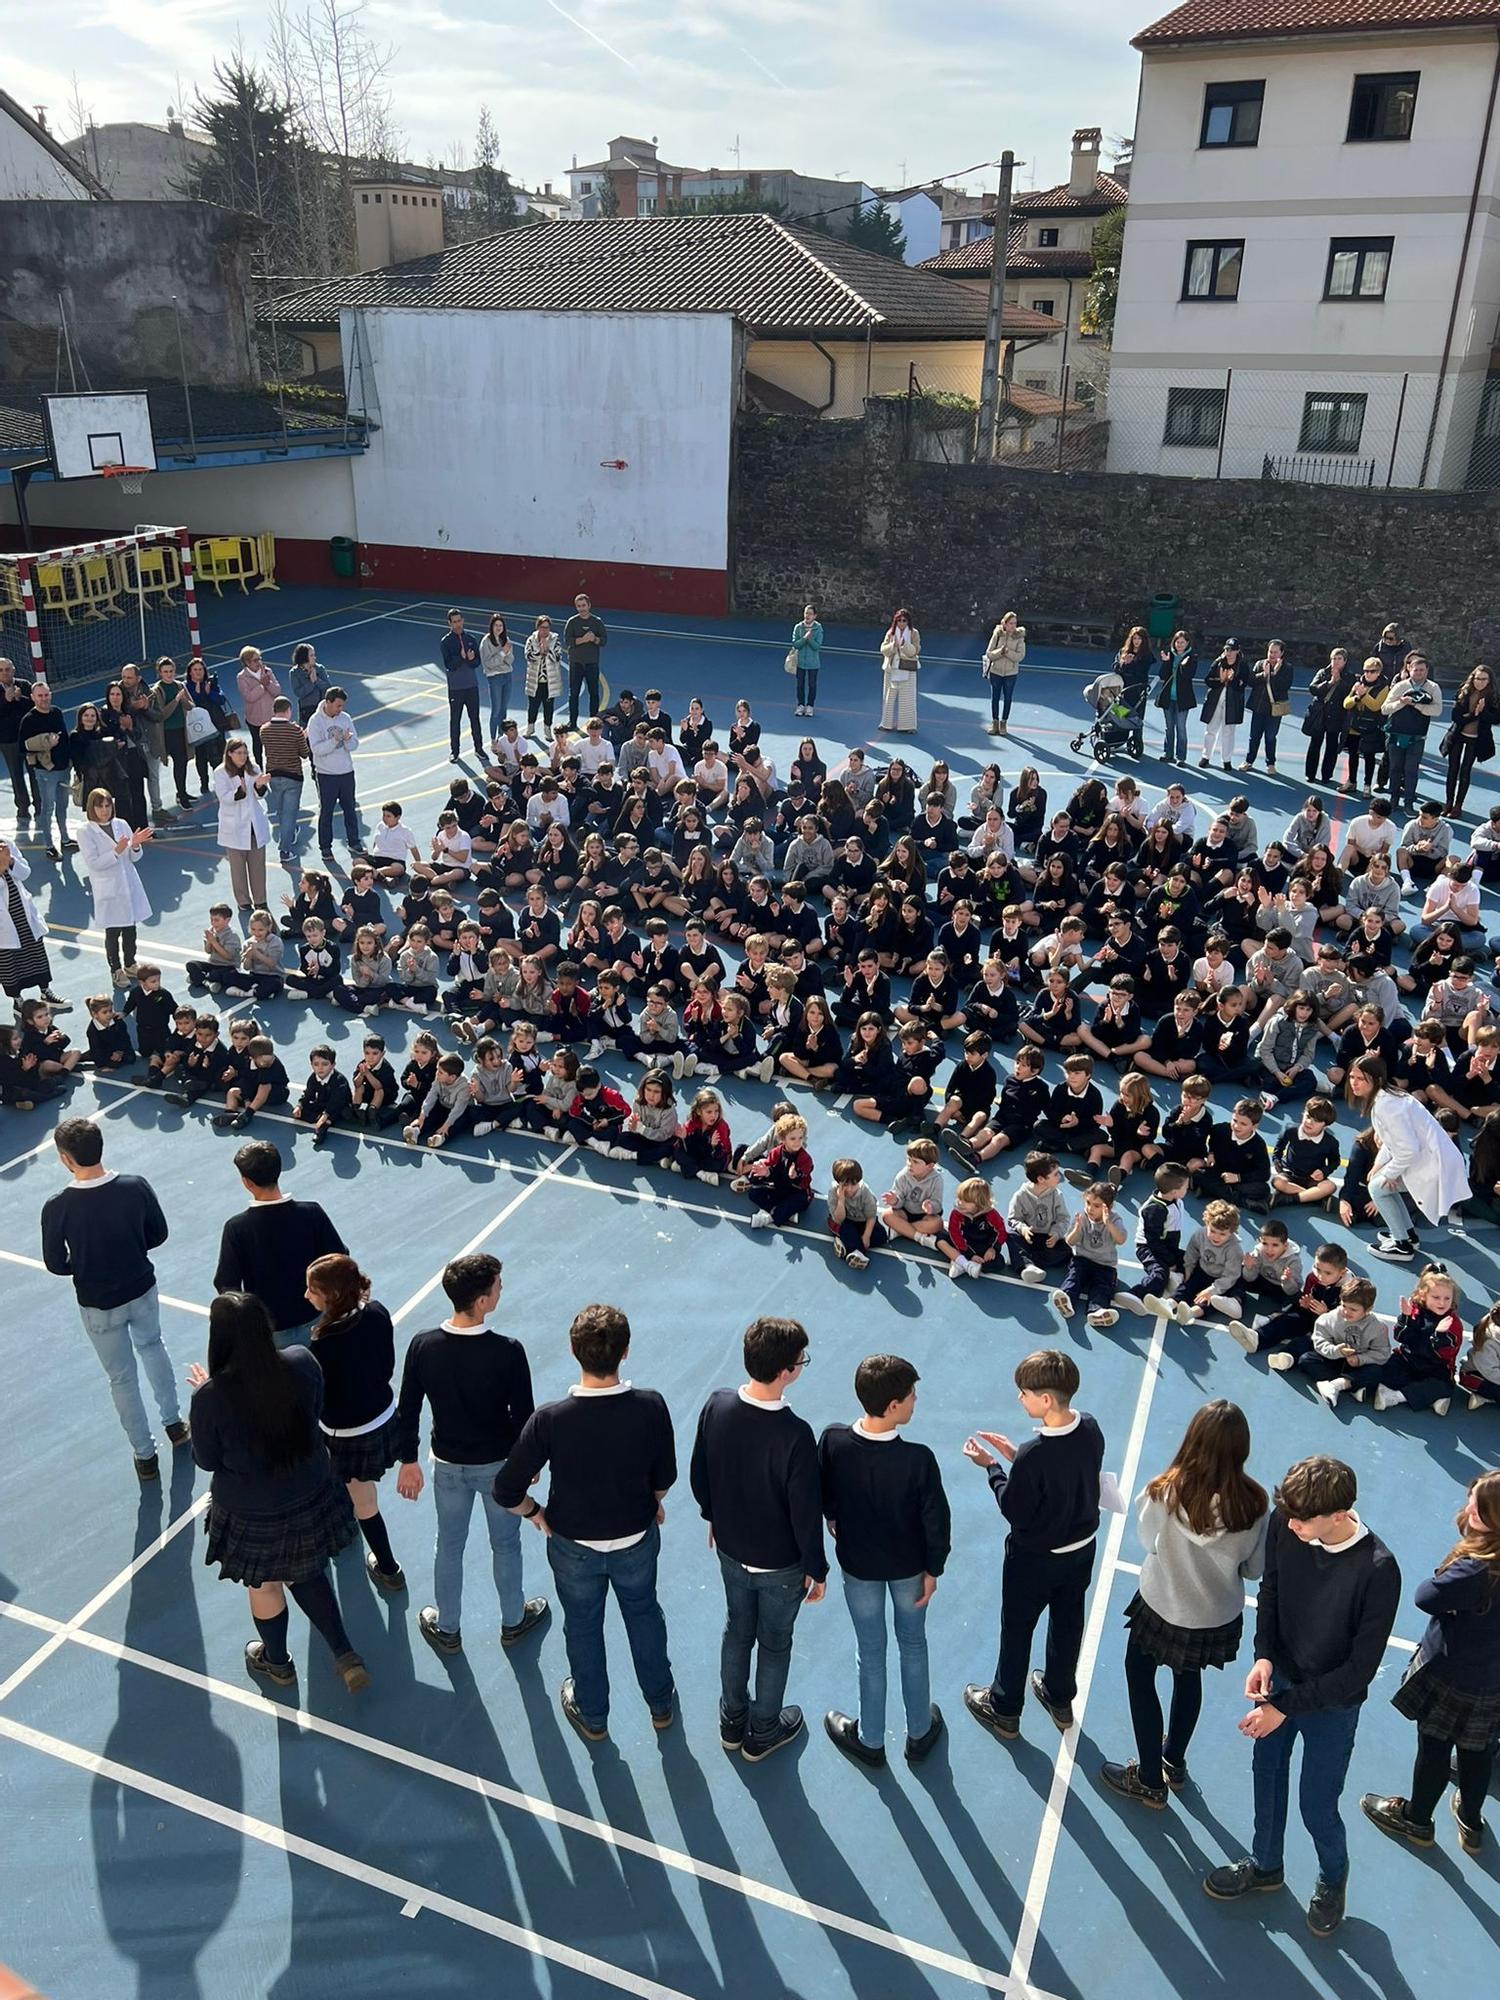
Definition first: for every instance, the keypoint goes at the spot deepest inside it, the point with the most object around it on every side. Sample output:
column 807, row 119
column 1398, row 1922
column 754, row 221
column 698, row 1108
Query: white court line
column 747, row 1886
column 1043, row 1860
column 100, row 1598
column 36, row 1264
column 42, row 1145
column 1400, row 1645
column 295, row 1845
column 504, row 1215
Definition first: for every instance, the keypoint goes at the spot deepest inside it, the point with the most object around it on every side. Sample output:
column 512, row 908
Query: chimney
column 546, row 187
column 1084, row 173
column 41, row 115
column 174, row 124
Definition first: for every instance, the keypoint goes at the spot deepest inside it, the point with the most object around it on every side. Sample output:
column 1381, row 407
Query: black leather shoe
column 1061, row 1712
column 843, row 1733
column 1325, row 1912
column 788, row 1726
column 1239, row 1878
column 918, row 1747
column 433, row 1633
column 980, row 1704
column 532, row 1614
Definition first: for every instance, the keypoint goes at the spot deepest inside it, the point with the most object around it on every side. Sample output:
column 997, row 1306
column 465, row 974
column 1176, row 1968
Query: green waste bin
column 342, row 551
column 1161, row 619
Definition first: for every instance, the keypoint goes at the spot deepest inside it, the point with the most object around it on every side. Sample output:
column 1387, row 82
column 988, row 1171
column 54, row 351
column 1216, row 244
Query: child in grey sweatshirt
column 1038, row 1218
column 1213, row 1266
column 1351, row 1344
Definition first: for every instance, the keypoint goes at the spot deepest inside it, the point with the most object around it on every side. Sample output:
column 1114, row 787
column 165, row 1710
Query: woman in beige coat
column 1002, row 661
column 900, row 657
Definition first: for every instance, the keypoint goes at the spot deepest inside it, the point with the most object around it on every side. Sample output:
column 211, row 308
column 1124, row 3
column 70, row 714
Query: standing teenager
column 888, row 1515
column 1451, row 1690
column 460, row 664
column 268, row 1247
column 100, row 1232
column 1203, row 1526
column 276, row 1509
column 754, row 1475
column 807, row 645
column 1002, row 665
column 584, row 638
column 608, row 1449
column 477, row 1383
column 1327, row 1603
column 1048, row 1491
column 355, row 1345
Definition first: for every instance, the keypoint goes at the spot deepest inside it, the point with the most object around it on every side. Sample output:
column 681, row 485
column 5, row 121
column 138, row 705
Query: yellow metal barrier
column 154, row 572
column 99, row 584
column 57, row 588
column 265, row 553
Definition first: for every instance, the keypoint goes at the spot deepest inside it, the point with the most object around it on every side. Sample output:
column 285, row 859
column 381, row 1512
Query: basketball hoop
column 129, row 476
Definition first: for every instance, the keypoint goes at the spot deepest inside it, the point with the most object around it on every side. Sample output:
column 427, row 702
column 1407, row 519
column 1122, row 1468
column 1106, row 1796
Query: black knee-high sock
column 273, row 1637
column 378, row 1540
column 315, row 1599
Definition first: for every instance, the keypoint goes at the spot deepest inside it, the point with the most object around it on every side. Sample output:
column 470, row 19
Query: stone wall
column 119, row 265
column 836, row 509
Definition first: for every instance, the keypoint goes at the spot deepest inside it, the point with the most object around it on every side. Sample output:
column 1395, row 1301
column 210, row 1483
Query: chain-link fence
column 1056, row 422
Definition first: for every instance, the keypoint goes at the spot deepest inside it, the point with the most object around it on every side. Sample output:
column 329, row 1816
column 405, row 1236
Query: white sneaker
column 1244, row 1336
column 857, row 1260
column 1228, row 1308
column 1387, row 1399
column 1333, row 1388
column 673, row 1167
column 621, row 1153
column 1128, row 1302
column 1185, row 1314
column 690, row 1064
column 1155, row 1303
column 677, row 1063
column 1477, row 1402
column 1103, row 1316
column 595, row 1050
column 959, row 1267
column 1061, row 1303
column 761, row 1219
column 483, row 1131
column 705, row 1071
column 766, row 1068
column 1441, row 1406
column 708, row 1179
column 1280, row 1363
column 409, row 1134
column 597, row 1146
column 1033, row 1274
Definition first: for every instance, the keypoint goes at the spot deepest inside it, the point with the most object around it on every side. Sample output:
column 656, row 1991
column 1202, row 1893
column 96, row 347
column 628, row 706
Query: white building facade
column 1311, row 274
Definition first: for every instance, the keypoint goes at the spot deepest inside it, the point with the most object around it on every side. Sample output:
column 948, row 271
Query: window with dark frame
column 1194, row 417
column 1332, row 420
column 1043, row 306
column 1231, row 114
column 1358, row 267
column 1383, row 106
column 1046, row 239
column 1212, row 270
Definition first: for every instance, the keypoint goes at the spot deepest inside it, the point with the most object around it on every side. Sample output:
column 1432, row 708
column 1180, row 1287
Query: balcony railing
column 1319, row 469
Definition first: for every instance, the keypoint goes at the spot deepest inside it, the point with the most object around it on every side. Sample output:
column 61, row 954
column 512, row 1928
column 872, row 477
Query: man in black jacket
column 755, row 1477
column 612, row 1458
column 583, row 637
column 267, row 1247
column 889, row 1518
column 1048, row 1491
column 99, row 1232
column 1325, row 1609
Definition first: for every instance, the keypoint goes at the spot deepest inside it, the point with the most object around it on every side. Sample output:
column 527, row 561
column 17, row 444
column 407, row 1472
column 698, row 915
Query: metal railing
column 1319, row 469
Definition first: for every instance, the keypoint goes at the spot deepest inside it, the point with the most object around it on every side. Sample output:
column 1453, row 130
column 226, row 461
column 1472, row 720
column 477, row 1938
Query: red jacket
column 608, row 1108
column 579, row 1002
column 974, row 1234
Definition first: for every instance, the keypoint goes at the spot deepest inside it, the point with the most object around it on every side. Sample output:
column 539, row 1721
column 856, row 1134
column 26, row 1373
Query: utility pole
column 991, row 387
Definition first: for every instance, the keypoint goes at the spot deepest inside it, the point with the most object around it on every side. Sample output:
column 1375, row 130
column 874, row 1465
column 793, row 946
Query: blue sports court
column 172, row 1829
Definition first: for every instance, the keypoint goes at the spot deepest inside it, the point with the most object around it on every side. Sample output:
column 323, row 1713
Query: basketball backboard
column 86, row 433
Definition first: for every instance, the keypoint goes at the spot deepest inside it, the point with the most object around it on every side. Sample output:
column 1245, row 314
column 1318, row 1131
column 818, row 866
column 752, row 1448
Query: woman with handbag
column 244, row 827
column 1364, row 725
column 170, row 704
column 1470, row 736
column 207, row 720
column 94, row 755
column 900, row 659
column 123, row 727
column 1176, row 696
column 1270, row 700
column 1323, row 724
column 1002, row 664
column 109, row 851
column 1452, row 1688
column 1223, row 707
column 805, row 658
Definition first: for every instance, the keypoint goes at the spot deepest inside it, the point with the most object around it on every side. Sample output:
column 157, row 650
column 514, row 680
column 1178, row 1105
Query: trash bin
column 1161, row 619
column 341, row 550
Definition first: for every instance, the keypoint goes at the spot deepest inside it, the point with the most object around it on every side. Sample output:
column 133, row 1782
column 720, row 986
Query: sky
column 876, row 90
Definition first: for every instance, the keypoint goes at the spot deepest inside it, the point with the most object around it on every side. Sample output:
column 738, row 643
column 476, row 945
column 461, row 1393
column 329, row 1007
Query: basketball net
column 129, row 476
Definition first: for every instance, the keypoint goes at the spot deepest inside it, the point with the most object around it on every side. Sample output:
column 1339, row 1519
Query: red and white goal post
column 80, row 613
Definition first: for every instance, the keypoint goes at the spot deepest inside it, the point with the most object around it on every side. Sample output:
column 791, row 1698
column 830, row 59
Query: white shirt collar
column 1059, row 1430
column 614, row 1389
column 1338, row 1548
column 758, row 1402
column 873, row 1437
column 465, row 1332
column 97, row 1180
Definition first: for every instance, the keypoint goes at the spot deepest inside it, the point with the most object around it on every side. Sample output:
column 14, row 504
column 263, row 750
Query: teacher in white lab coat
column 244, row 827
column 108, row 848
column 1415, row 1159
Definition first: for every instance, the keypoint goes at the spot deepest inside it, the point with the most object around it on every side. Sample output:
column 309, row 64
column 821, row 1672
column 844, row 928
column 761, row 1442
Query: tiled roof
column 1238, row 20
column 1107, row 193
column 976, row 260
column 218, row 414
column 40, row 136
column 774, row 276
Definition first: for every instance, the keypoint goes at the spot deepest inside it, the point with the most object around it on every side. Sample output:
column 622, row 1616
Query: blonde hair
column 1135, row 1092
column 1434, row 1274
column 975, row 1193
column 786, row 1125
column 1221, row 1215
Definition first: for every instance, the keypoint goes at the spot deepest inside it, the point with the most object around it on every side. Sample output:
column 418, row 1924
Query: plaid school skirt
column 1452, row 1715
column 366, row 1456
column 289, row 1547
column 1180, row 1647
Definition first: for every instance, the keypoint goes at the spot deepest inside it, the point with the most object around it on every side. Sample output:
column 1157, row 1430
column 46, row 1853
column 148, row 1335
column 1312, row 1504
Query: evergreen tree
column 727, row 202
column 1098, row 314
column 876, row 228
column 494, row 204
column 609, row 196
column 253, row 163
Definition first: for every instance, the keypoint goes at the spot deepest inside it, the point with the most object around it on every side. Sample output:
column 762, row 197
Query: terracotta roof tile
column 976, row 259
column 1238, row 20
column 774, row 276
column 1107, row 193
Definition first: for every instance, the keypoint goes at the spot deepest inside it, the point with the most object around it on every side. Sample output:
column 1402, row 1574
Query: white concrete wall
column 302, row 499
column 28, row 171
column 497, row 430
column 1286, row 197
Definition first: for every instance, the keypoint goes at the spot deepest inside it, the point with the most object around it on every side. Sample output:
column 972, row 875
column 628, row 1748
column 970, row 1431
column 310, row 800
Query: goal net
column 79, row 614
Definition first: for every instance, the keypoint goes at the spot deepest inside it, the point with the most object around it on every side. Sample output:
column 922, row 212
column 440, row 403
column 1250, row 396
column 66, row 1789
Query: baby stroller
column 1117, row 723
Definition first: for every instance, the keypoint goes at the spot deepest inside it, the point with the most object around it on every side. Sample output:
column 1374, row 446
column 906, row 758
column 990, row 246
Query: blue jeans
column 1405, row 754
column 1390, row 1206
column 1175, row 728
column 807, row 687
column 52, row 801
column 1327, row 1744
column 499, row 687
column 294, row 1336
column 285, row 795
column 123, row 1335
column 1002, row 694
column 866, row 1602
column 453, row 1490
column 584, row 1578
column 1263, row 729
column 336, row 790
column 760, row 1610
